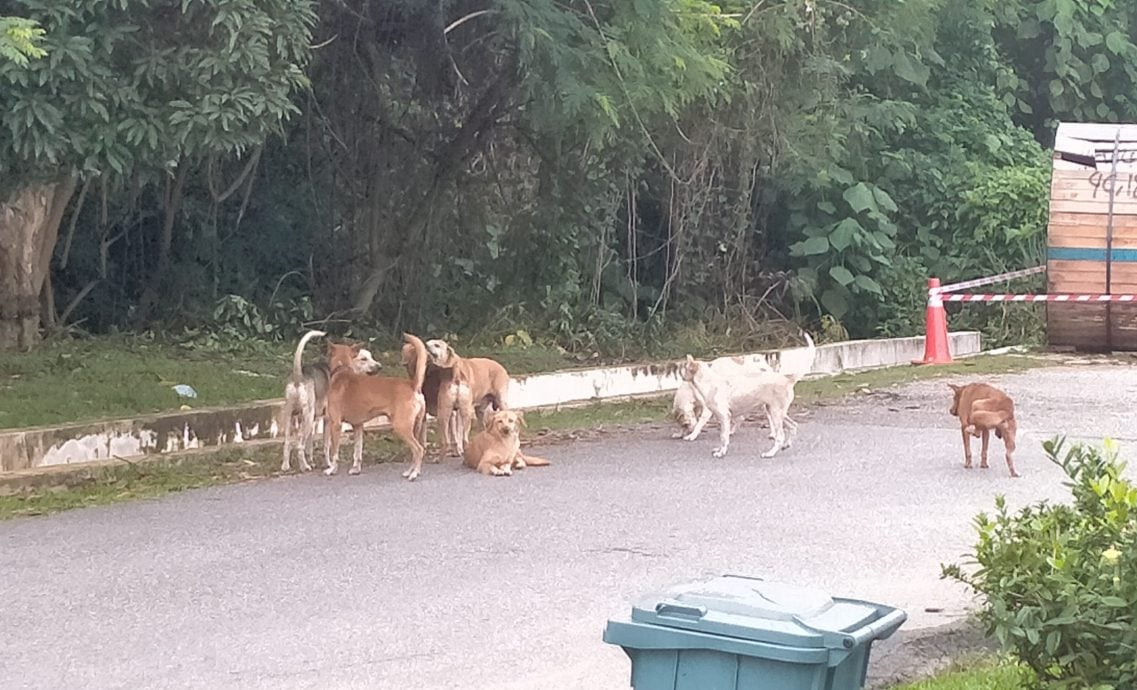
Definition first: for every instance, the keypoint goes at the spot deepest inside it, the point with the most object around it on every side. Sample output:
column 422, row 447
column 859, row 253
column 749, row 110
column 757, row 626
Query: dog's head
column 956, row 392
column 507, row 423
column 440, row 353
column 352, row 356
column 689, row 368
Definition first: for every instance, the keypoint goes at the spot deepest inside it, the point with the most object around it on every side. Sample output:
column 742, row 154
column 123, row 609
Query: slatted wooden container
column 1092, row 235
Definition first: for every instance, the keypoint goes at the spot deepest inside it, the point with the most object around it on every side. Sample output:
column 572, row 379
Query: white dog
column 732, row 393
column 686, row 407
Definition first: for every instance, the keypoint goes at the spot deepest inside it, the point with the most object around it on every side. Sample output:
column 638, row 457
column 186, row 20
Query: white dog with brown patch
column 686, row 408
column 727, row 395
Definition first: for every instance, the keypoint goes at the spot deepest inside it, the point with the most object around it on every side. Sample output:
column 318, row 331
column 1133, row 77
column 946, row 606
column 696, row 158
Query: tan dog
column 730, row 397
column 476, row 382
column 497, row 450
column 305, row 398
column 457, row 397
column 981, row 409
column 356, row 399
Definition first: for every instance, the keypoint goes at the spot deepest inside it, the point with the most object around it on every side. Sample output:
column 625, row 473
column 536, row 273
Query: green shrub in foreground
column 1058, row 581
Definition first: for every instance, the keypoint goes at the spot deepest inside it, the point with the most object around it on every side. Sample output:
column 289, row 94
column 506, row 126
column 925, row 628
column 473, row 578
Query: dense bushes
column 1058, row 581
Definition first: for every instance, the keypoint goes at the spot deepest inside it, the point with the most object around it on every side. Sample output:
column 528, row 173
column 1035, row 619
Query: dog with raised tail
column 456, row 387
column 730, row 395
column 981, row 409
column 357, row 399
column 305, row 398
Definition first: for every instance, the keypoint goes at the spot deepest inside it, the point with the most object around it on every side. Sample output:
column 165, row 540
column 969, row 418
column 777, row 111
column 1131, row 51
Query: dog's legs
column 966, row 448
column 704, row 417
column 285, row 463
column 403, row 426
column 307, row 431
column 446, row 399
column 777, row 423
column 333, row 429
column 725, row 426
column 770, row 423
column 357, row 452
column 1009, row 432
column 983, row 451
column 789, row 423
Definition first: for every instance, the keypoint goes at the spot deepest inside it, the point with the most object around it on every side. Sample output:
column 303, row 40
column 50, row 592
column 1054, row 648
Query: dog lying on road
column 728, row 395
column 305, row 397
column 686, row 407
column 355, row 399
column 497, row 450
column 981, row 409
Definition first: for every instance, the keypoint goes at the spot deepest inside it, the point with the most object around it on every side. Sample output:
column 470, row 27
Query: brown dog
column 981, row 409
column 463, row 385
column 356, row 398
column 497, row 450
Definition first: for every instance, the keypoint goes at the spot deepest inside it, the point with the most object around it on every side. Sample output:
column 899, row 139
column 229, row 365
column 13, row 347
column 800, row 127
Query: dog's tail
column 812, row 349
column 420, row 360
column 534, row 461
column 299, row 354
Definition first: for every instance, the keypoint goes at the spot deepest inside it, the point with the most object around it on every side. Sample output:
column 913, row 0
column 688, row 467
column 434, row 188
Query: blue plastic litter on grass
column 185, row 391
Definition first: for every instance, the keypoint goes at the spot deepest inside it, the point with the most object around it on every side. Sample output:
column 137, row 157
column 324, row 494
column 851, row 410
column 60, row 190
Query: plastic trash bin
column 743, row 633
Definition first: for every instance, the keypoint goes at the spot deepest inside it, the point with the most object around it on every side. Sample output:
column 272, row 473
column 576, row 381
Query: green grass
column 986, row 674
column 167, row 474
column 119, row 377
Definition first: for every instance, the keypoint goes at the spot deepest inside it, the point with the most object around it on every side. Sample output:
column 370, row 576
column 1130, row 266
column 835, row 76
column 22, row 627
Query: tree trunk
column 172, row 201
column 29, row 226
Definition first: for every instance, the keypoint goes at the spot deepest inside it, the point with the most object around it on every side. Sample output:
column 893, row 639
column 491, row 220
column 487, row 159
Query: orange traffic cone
column 936, row 349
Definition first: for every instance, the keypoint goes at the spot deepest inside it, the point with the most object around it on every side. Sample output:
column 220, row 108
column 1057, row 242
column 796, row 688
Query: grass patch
column 986, row 674
column 169, row 474
column 119, row 377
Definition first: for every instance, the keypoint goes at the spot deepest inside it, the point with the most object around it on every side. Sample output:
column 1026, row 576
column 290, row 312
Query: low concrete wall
column 24, row 449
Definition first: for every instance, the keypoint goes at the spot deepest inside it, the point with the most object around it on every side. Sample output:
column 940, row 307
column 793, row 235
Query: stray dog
column 464, row 386
column 981, row 409
column 437, row 379
column 686, row 407
column 355, row 399
column 727, row 395
column 497, row 450
column 305, row 397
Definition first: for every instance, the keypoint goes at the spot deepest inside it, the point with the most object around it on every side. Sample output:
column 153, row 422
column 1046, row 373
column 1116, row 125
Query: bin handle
column 666, row 608
column 879, row 629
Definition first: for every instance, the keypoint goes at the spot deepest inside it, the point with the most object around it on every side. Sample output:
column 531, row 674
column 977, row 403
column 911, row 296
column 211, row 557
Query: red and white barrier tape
column 955, row 287
column 1038, row 298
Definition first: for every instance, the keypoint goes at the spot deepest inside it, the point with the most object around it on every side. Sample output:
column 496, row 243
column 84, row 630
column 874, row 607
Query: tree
column 20, row 40
column 133, row 89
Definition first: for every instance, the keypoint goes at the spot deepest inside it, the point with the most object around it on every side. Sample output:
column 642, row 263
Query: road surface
column 462, row 581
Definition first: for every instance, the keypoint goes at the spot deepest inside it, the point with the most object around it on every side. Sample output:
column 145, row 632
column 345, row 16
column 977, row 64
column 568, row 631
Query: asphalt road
column 461, row 581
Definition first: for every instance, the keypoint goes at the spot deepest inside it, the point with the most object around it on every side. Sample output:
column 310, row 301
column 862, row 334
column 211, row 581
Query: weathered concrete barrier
column 23, row 449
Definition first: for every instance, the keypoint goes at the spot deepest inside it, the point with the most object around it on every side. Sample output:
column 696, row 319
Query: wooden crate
column 1080, row 230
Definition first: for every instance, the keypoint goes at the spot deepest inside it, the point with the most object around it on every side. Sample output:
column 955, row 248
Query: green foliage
column 1071, row 59
column 1056, row 580
column 135, row 85
column 20, row 40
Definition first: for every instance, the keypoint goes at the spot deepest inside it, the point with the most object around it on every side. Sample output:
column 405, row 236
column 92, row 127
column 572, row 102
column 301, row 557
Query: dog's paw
column 691, row 436
column 355, row 469
column 719, row 452
column 771, row 453
column 411, row 475
column 679, row 434
column 330, row 471
column 285, row 467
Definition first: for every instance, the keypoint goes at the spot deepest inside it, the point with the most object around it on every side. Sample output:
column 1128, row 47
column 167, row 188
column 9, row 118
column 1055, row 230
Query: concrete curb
column 23, row 450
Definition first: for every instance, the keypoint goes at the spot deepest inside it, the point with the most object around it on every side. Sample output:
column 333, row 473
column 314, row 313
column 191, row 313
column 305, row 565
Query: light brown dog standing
column 497, row 450
column 981, row 409
column 356, row 399
column 471, row 383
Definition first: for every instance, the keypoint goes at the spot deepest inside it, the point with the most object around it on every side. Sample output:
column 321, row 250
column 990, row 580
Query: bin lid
column 759, row 610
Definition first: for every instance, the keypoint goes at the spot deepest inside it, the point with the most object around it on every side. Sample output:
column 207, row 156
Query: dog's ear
column 955, row 387
column 690, row 359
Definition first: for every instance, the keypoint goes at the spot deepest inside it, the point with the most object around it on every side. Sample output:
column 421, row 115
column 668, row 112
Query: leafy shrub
column 1057, row 580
